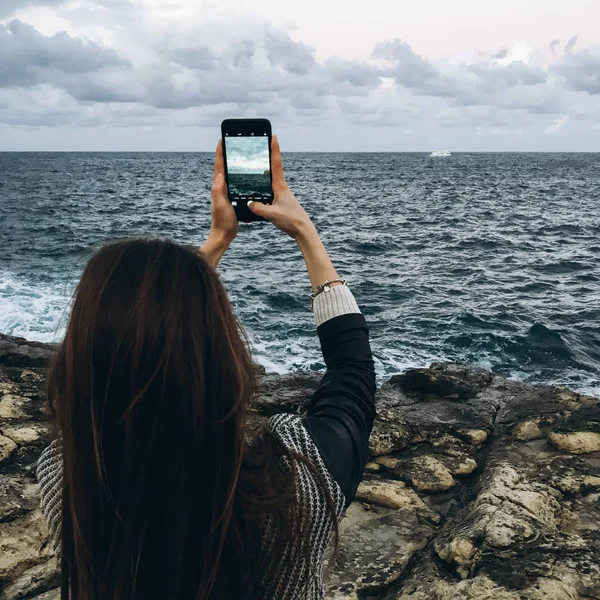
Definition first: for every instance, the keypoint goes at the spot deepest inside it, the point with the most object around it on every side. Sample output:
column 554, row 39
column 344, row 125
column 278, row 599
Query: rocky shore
column 478, row 487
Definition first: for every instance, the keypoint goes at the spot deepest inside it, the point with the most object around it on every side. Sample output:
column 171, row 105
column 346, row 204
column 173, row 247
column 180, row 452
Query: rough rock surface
column 478, row 487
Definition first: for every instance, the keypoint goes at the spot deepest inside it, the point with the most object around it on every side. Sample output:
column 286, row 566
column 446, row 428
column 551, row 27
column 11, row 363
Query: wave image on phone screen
column 248, row 167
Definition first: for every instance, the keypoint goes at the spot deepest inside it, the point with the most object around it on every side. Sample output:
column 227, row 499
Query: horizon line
column 301, row 151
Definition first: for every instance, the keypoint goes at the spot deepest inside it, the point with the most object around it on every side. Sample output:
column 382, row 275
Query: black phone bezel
column 245, row 128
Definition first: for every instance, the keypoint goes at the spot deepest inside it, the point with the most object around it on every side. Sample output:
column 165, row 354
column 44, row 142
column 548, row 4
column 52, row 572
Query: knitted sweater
column 333, row 435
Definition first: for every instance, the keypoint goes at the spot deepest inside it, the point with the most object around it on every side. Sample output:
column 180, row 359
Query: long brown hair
column 163, row 496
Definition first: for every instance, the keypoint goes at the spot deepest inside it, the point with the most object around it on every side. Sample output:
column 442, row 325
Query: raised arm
column 341, row 413
column 224, row 224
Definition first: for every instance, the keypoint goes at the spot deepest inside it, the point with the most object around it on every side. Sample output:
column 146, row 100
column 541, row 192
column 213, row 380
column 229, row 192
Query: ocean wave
column 32, row 311
column 487, row 259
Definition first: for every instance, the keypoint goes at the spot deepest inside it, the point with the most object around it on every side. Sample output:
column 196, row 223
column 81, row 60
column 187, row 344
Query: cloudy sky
column 330, row 75
column 247, row 155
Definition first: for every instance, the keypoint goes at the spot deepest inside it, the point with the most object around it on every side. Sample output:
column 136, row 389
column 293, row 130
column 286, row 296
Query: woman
column 151, row 488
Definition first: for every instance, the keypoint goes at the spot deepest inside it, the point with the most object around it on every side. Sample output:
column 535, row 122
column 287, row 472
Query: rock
column 372, row 466
column 51, row 595
column 475, row 436
column 425, row 473
column 390, row 395
column 430, row 416
column 390, row 433
column 260, row 369
column 579, row 442
column 389, row 462
column 23, row 544
column 458, row 466
column 511, row 541
column 19, row 352
column 8, row 388
column 375, row 549
column 476, row 487
column 36, row 580
column 25, row 435
column 286, row 393
column 425, row 583
column 509, row 509
column 585, row 418
column 591, row 481
column 451, row 382
column 16, row 497
column 7, row 447
column 524, row 407
column 580, row 432
column 11, row 407
column 393, row 494
column 457, row 456
column 528, row 430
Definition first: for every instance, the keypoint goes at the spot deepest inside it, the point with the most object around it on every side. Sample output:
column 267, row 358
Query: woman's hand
column 286, row 213
column 224, row 225
column 224, row 220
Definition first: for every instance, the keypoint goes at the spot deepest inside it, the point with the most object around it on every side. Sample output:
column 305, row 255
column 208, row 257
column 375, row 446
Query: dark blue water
column 493, row 259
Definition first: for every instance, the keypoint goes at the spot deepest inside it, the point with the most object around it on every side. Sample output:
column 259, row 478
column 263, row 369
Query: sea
column 487, row 259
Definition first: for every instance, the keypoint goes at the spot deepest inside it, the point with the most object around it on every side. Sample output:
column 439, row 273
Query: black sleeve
column 341, row 412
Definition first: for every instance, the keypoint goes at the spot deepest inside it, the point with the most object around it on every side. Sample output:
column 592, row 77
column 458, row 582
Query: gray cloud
column 307, row 101
column 492, row 77
column 571, row 44
column 180, row 77
column 552, row 45
column 269, row 73
column 187, row 76
column 241, row 53
column 485, row 82
column 376, row 114
column 581, row 70
column 385, row 117
column 43, row 106
column 538, row 100
column 356, row 74
column 9, row 7
column 294, row 57
column 410, row 69
column 465, row 116
column 198, row 57
column 30, row 58
column 109, row 86
column 113, row 4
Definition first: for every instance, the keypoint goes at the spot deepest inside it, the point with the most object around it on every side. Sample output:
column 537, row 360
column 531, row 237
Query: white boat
column 439, row 153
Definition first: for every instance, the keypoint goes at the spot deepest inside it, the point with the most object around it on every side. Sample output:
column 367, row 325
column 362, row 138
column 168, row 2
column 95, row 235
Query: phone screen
column 248, row 167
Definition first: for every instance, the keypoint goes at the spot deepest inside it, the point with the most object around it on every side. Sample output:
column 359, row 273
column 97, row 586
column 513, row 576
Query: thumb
column 218, row 189
column 260, row 208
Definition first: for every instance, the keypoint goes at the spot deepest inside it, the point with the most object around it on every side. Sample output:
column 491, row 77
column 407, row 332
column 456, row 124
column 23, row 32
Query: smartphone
column 247, row 154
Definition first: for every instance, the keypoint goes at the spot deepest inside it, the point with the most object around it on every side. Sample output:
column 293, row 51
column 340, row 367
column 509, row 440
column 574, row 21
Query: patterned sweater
column 333, row 435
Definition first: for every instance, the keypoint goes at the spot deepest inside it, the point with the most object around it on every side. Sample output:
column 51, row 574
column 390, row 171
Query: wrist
column 220, row 238
column 215, row 246
column 306, row 233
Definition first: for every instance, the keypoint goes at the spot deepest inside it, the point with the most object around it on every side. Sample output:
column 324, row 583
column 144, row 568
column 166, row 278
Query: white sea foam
column 35, row 312
column 284, row 356
column 39, row 312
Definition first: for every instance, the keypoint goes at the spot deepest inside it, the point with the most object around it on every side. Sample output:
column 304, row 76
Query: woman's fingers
column 277, row 165
column 219, row 162
column 260, row 208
